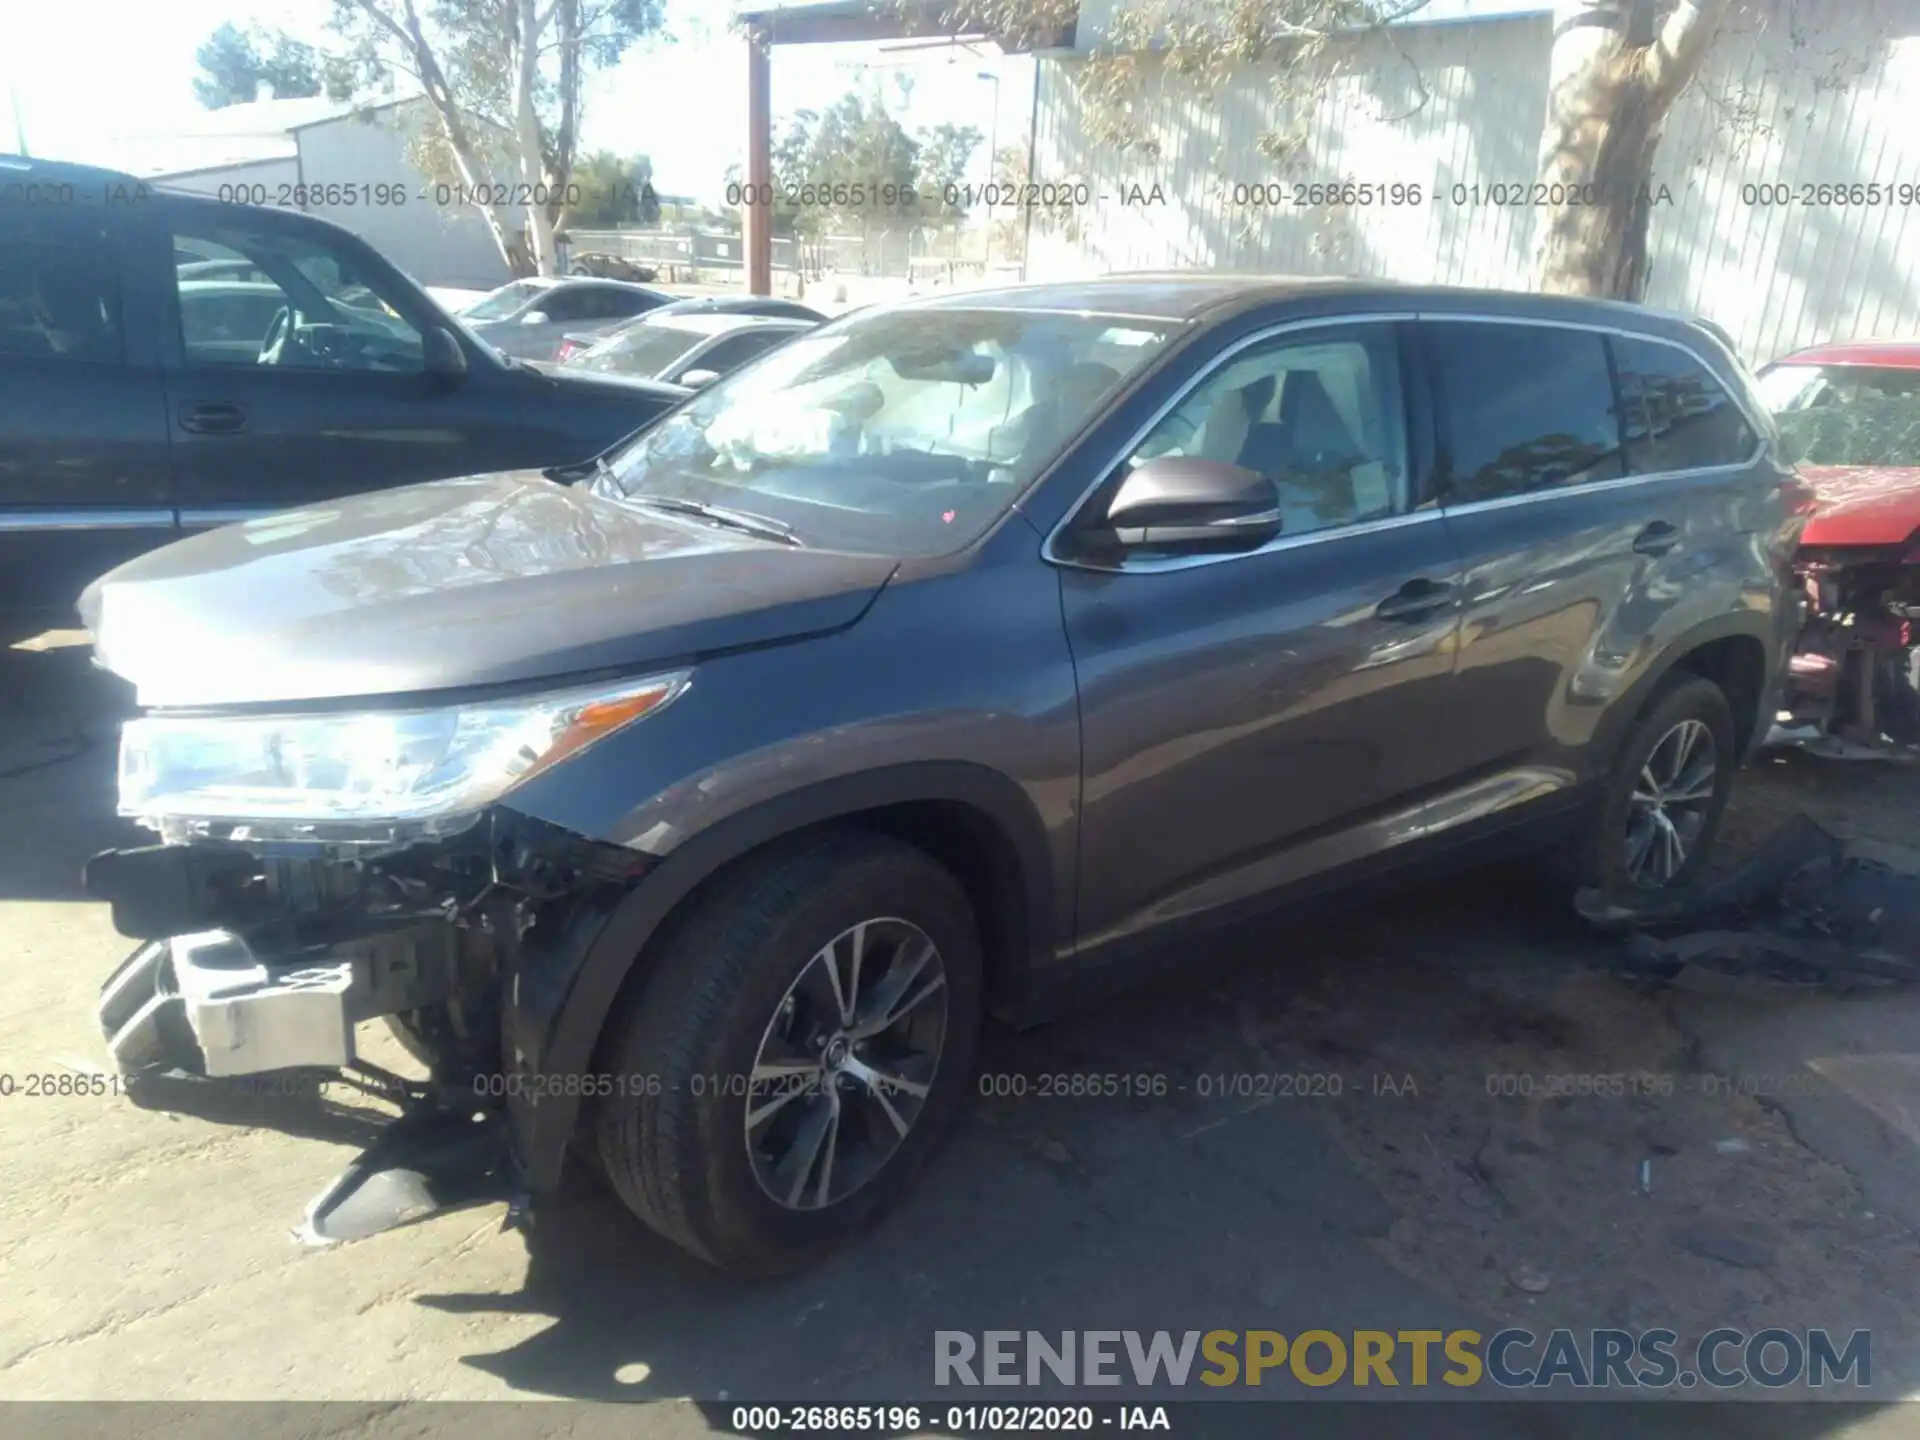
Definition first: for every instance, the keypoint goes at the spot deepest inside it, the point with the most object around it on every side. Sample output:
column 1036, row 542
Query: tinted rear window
column 1523, row 408
column 1678, row 416
column 58, row 299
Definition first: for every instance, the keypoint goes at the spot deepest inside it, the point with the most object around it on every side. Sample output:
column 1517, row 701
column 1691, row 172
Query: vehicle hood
column 490, row 580
column 1862, row 504
column 610, row 382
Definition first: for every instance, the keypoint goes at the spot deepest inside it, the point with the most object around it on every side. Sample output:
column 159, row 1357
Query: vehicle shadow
column 59, row 728
column 1043, row 1212
column 286, row 1102
column 1173, row 1212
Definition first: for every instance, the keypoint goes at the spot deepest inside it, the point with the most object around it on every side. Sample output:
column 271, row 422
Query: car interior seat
column 1309, row 450
column 1063, row 400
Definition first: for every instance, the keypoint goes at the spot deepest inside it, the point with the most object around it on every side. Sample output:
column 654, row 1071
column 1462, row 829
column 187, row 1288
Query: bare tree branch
column 1682, row 45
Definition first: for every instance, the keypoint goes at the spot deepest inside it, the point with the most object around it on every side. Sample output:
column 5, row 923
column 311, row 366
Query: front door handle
column 1414, row 600
column 214, row 418
column 1657, row 539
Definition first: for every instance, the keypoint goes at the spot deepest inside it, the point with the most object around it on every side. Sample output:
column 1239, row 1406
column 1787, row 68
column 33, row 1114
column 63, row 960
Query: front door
column 305, row 386
column 1252, row 719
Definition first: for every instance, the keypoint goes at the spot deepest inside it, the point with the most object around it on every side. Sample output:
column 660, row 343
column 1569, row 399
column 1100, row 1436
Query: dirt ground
column 1571, row 1157
column 1551, row 1142
column 1403, row 1166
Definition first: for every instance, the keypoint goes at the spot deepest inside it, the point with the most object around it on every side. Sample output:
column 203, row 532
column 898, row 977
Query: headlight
column 424, row 771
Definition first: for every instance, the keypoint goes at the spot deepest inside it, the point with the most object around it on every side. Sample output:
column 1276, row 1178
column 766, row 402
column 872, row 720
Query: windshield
column 640, row 350
column 902, row 432
column 1846, row 414
column 509, row 299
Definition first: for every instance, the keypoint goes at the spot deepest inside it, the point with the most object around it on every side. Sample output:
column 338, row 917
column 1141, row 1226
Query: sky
column 85, row 74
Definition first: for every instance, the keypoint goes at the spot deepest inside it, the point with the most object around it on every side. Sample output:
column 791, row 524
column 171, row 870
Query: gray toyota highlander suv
column 693, row 815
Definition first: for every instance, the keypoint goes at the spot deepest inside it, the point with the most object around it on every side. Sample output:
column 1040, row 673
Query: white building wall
column 435, row 244
column 1820, row 92
column 223, row 181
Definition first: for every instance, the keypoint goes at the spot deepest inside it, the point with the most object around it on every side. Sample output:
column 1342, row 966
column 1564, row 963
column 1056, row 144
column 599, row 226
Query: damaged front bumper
column 258, row 960
column 207, row 1004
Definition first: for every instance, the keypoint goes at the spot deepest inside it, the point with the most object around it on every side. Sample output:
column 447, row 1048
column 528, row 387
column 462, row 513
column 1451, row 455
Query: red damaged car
column 1850, row 415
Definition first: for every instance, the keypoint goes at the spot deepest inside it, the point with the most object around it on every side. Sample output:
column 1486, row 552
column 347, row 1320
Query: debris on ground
column 1802, row 910
column 1526, row 1278
column 1546, row 1074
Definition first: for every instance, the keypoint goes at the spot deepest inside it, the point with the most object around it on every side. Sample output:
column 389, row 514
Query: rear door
column 1252, row 719
column 1584, row 479
column 83, row 433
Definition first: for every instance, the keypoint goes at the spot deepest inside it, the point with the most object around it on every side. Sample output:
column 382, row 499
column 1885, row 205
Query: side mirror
column 534, row 317
column 1185, row 500
column 443, row 354
column 694, row 379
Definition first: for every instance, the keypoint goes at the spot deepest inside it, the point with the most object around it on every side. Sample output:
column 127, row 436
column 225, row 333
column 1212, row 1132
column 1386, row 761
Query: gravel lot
column 149, row 1255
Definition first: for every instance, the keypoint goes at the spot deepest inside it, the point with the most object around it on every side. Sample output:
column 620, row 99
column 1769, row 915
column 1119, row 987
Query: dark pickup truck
column 141, row 400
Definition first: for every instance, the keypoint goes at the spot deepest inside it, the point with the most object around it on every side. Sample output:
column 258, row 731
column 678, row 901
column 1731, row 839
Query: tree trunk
column 1616, row 68
column 560, row 154
column 475, row 174
column 528, row 152
column 518, row 253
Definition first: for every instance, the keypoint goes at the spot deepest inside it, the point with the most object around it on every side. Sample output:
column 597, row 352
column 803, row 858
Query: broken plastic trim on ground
column 1800, row 911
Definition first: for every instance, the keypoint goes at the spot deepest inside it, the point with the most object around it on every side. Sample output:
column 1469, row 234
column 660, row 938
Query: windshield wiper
column 760, row 525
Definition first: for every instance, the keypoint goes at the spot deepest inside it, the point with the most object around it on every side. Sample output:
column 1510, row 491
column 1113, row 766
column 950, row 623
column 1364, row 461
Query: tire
column 728, row 1010
column 405, row 1029
column 1614, row 863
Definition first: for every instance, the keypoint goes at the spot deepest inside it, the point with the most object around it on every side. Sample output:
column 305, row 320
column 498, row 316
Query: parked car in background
column 690, row 349
column 244, row 271
column 1850, row 414
column 529, row 318
column 138, row 402
column 940, row 662
column 742, row 305
column 578, row 341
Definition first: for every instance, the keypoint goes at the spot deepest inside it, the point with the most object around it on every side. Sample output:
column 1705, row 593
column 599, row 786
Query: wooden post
column 758, row 221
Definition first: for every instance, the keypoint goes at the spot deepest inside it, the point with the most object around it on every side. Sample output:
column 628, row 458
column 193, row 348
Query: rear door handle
column 214, row 418
column 1657, row 539
column 1415, row 599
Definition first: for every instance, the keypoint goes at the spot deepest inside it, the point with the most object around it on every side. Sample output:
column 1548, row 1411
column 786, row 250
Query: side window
column 58, row 294
column 570, row 304
column 1318, row 413
column 1678, row 416
column 313, row 307
column 1522, row 408
column 735, row 351
column 623, row 304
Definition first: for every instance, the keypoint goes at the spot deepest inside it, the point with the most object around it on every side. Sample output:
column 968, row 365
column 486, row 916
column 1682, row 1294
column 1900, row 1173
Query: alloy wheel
column 845, row 1064
column 1671, row 799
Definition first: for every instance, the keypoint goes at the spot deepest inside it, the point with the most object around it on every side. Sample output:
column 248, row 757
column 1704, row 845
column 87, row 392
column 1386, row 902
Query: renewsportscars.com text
column 1655, row 1359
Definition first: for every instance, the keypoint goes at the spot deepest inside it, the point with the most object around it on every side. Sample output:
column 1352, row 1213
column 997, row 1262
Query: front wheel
column 802, row 1039
column 1664, row 800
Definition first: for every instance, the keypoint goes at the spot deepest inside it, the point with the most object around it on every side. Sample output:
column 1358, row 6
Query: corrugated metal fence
column 1764, row 219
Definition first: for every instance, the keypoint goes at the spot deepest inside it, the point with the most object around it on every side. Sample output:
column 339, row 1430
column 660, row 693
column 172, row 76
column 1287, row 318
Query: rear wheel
column 790, row 1058
column 1664, row 800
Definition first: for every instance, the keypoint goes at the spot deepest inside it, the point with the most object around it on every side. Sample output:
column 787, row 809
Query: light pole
column 993, row 159
column 19, row 124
